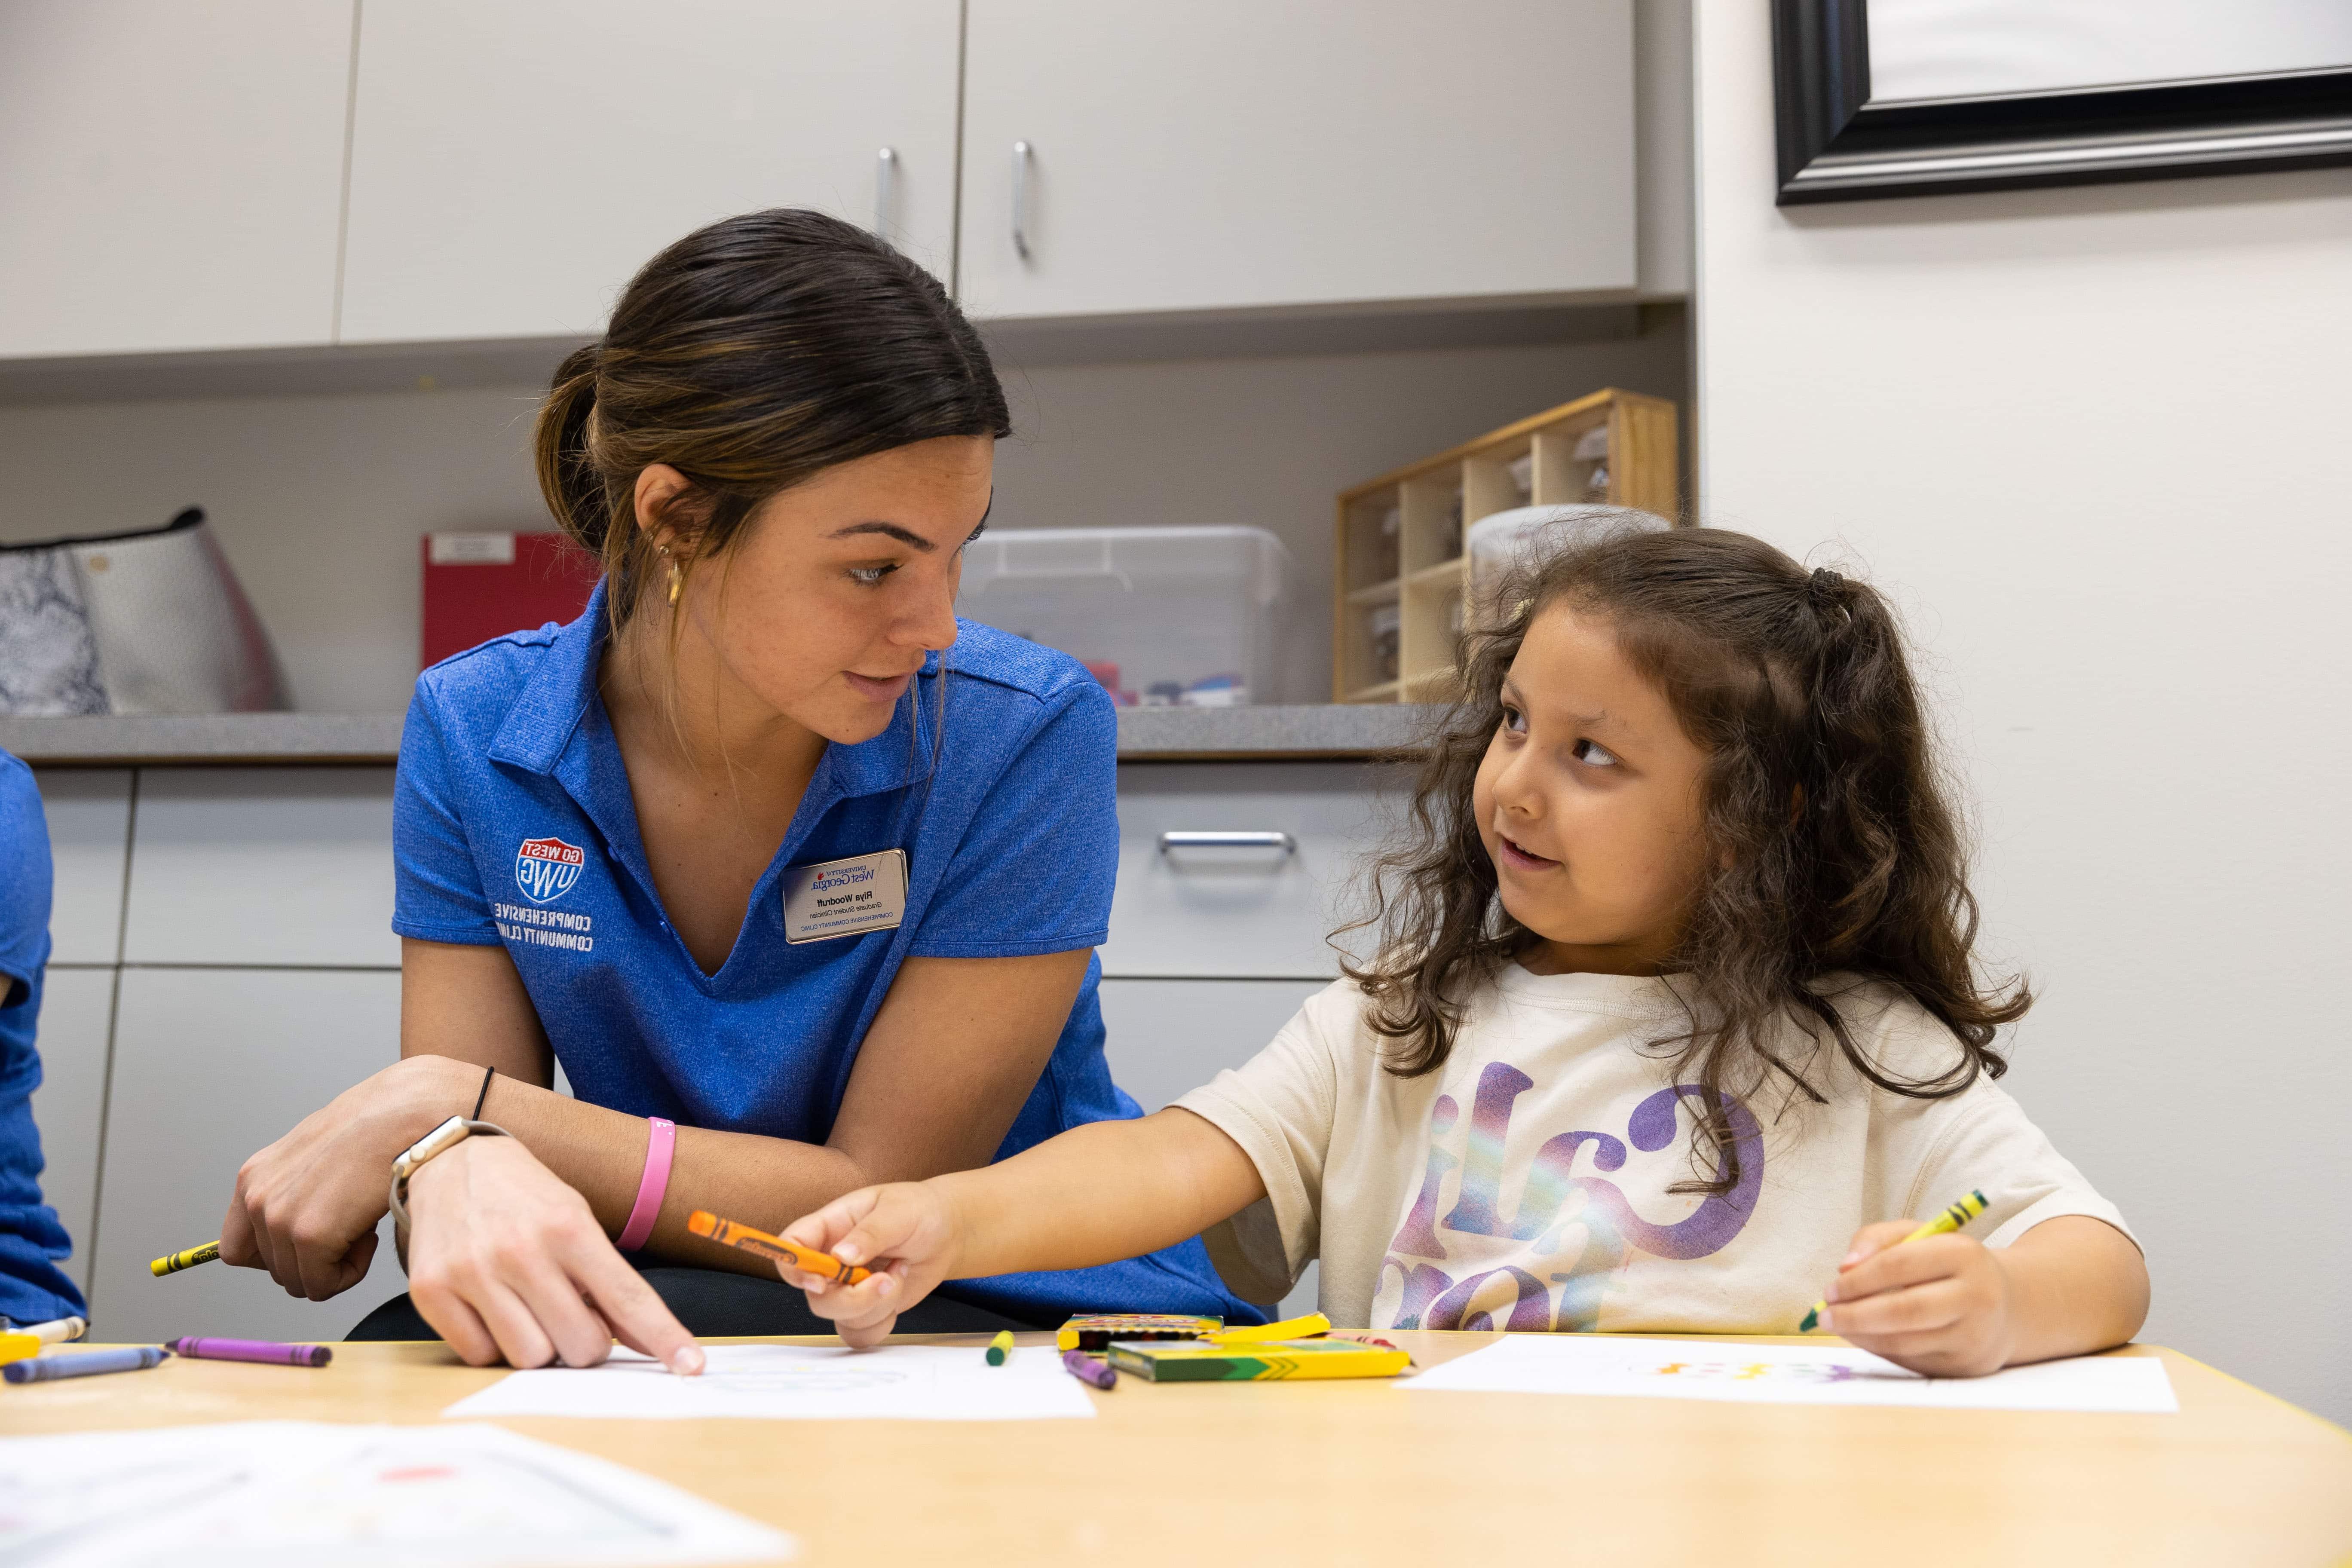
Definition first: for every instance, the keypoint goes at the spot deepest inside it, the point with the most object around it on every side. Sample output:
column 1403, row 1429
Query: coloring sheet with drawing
column 1789, row 1374
column 293, row 1494
column 906, row 1383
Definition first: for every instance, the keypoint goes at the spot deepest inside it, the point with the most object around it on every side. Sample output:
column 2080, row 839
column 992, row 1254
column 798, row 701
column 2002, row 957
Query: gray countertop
column 1145, row 734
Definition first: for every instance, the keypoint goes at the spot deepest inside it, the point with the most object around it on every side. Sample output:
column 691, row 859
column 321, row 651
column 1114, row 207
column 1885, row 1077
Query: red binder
column 481, row 586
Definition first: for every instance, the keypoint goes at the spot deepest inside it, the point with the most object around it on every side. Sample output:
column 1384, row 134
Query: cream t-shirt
column 1524, row 1185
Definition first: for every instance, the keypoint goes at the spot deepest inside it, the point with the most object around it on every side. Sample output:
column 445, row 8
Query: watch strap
column 445, row 1137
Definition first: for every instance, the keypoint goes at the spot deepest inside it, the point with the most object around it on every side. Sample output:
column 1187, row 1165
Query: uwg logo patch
column 545, row 869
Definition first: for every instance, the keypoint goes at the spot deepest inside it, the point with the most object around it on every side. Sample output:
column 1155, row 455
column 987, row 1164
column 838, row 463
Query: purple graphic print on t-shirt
column 1551, row 1201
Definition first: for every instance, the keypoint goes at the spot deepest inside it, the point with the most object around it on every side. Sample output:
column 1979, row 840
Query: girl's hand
column 306, row 1207
column 905, row 1232
column 1944, row 1306
column 506, row 1260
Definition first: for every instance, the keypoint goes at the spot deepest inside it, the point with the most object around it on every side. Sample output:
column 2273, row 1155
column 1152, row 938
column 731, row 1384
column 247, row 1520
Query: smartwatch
column 438, row 1141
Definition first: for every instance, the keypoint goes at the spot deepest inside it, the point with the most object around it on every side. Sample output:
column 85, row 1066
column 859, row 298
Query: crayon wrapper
column 85, row 1363
column 188, row 1259
column 263, row 1350
column 808, row 1261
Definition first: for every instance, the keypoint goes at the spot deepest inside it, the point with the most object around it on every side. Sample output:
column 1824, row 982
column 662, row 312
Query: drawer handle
column 1021, row 154
column 886, row 189
column 1228, row 841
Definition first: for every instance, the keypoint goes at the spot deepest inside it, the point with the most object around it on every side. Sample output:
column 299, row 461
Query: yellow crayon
column 1305, row 1327
column 188, row 1259
column 999, row 1347
column 1951, row 1219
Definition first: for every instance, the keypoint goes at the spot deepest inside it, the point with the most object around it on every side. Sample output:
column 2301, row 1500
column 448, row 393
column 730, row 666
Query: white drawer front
column 77, row 1014
column 1237, row 911
column 89, row 828
column 263, row 866
column 209, row 1066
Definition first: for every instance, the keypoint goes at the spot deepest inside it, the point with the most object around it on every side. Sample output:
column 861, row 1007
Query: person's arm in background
column 33, row 1288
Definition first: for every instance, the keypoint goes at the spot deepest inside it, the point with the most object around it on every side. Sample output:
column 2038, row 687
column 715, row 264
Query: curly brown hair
column 1835, row 845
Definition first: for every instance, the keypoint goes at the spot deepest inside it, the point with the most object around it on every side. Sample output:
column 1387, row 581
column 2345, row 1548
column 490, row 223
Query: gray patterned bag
column 152, row 622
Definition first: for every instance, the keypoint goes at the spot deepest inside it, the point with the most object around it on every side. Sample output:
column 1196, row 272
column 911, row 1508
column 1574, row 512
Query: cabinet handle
column 1220, row 839
column 1021, row 199
column 886, row 189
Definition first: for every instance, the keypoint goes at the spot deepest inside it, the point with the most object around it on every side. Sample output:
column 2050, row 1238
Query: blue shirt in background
column 32, row 1241
column 1012, row 844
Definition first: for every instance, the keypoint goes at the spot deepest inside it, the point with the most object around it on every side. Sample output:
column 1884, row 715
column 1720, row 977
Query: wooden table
column 1360, row 1473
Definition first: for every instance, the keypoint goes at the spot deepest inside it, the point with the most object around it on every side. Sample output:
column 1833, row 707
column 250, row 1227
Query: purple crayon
column 1087, row 1369
column 268, row 1351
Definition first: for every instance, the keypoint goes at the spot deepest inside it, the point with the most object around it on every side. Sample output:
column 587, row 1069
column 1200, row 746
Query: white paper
column 828, row 1383
column 270, row 1494
column 1789, row 1374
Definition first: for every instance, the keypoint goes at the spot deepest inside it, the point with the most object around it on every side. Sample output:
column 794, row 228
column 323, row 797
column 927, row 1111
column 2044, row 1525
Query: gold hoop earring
column 676, row 581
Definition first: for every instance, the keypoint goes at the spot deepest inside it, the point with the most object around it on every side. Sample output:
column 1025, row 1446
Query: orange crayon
column 807, row 1259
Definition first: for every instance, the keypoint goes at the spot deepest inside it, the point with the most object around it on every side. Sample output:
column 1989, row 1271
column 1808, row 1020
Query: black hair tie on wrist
column 484, row 1098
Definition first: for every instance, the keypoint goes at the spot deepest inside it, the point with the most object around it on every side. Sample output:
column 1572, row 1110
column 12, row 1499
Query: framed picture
column 1888, row 98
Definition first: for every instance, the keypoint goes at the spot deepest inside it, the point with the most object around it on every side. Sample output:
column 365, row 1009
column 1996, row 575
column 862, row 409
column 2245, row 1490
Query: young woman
column 799, row 879
column 1675, row 1026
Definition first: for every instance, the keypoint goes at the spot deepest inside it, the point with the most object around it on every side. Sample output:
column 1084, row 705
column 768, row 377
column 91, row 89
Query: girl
column 1673, row 1026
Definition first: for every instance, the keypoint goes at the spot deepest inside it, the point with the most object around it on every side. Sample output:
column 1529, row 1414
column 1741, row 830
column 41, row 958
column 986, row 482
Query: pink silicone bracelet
column 661, row 1141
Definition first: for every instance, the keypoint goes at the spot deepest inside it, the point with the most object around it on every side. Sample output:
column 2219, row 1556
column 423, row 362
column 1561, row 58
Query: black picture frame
column 1835, row 146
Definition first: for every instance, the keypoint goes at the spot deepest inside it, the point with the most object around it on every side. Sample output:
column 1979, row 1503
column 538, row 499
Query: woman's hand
column 905, row 1232
column 1944, row 1305
column 505, row 1260
column 306, row 1207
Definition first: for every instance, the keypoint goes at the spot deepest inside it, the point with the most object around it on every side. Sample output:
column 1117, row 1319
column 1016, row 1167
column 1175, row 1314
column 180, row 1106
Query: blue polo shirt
column 1012, row 842
column 32, row 1242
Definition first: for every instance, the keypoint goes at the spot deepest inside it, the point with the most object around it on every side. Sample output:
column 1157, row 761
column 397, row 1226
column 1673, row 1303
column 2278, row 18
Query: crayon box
column 1273, row 1359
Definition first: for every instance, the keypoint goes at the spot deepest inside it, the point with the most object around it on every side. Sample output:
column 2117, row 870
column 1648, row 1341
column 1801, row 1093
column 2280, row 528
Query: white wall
column 319, row 500
column 2094, row 437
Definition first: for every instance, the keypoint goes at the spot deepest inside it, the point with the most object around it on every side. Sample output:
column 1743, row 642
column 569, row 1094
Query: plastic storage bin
column 1163, row 617
column 1501, row 542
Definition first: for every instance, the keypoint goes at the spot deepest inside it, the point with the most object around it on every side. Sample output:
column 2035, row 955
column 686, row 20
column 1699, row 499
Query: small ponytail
column 567, row 473
column 575, row 485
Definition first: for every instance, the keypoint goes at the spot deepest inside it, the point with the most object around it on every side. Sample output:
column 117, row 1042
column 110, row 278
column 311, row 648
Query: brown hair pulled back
column 748, row 356
column 1835, row 845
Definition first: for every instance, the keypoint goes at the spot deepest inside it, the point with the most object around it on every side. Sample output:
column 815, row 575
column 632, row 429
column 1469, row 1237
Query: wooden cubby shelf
column 1403, row 572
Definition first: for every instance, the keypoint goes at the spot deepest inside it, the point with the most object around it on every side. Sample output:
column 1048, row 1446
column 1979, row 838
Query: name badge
column 845, row 898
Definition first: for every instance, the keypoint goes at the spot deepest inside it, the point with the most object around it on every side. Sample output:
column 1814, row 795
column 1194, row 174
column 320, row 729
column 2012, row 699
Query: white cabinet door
column 1164, row 1036
column 77, row 1014
column 1226, row 153
column 514, row 162
column 90, row 831
column 1237, row 911
column 253, row 866
column 209, row 1066
column 170, row 175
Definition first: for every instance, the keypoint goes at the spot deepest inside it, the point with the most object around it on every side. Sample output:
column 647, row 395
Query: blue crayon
column 87, row 1364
